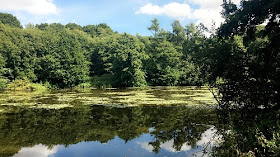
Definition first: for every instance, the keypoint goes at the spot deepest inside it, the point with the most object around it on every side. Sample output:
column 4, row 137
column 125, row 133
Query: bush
column 48, row 85
column 18, row 85
column 25, row 85
column 37, row 87
column 84, row 85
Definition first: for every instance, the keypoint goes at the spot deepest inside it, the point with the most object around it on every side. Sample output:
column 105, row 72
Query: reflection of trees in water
column 187, row 130
column 247, row 133
column 182, row 135
column 26, row 128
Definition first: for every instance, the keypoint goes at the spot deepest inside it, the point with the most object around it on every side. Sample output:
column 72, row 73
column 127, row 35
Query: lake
column 154, row 121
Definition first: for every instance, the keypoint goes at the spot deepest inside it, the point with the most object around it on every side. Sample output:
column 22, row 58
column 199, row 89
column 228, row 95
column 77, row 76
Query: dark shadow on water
column 248, row 132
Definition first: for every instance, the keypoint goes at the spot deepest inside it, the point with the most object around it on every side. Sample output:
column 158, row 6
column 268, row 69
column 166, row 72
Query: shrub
column 84, row 85
column 25, row 85
column 37, row 87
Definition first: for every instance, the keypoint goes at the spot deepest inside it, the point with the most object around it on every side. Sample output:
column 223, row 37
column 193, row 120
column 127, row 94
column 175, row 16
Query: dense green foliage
column 120, row 58
column 54, row 55
column 69, row 55
column 253, row 54
column 10, row 20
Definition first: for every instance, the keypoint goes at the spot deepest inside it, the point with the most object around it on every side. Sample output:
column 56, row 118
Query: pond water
column 158, row 121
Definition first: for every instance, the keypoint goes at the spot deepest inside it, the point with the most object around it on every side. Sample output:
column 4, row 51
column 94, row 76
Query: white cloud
column 174, row 10
column 207, row 16
column 37, row 151
column 150, row 9
column 35, row 7
column 210, row 3
column 169, row 146
column 206, row 3
column 146, row 146
column 208, row 11
column 236, row 1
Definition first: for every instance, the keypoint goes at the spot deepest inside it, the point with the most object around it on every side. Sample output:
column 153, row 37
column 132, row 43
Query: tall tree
column 127, row 62
column 154, row 28
column 63, row 63
column 178, row 34
column 120, row 57
column 17, row 50
column 163, row 63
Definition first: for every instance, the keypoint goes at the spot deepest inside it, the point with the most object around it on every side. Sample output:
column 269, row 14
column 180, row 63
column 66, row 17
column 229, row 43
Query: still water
column 161, row 121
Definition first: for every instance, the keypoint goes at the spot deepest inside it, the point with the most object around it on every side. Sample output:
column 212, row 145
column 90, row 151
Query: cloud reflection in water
column 38, row 151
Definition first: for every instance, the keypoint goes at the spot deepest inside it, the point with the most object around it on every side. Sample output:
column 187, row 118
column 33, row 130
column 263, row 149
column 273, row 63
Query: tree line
column 68, row 55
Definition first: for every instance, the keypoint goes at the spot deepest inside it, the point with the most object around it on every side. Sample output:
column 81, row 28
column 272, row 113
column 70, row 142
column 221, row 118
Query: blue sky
column 132, row 16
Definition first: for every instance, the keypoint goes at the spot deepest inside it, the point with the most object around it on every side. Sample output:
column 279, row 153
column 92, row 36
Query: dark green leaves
column 8, row 19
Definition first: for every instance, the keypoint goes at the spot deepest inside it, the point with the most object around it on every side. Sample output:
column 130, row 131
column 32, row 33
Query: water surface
column 112, row 122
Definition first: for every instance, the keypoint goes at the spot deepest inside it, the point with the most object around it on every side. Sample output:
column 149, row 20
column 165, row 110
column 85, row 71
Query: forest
column 69, row 55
